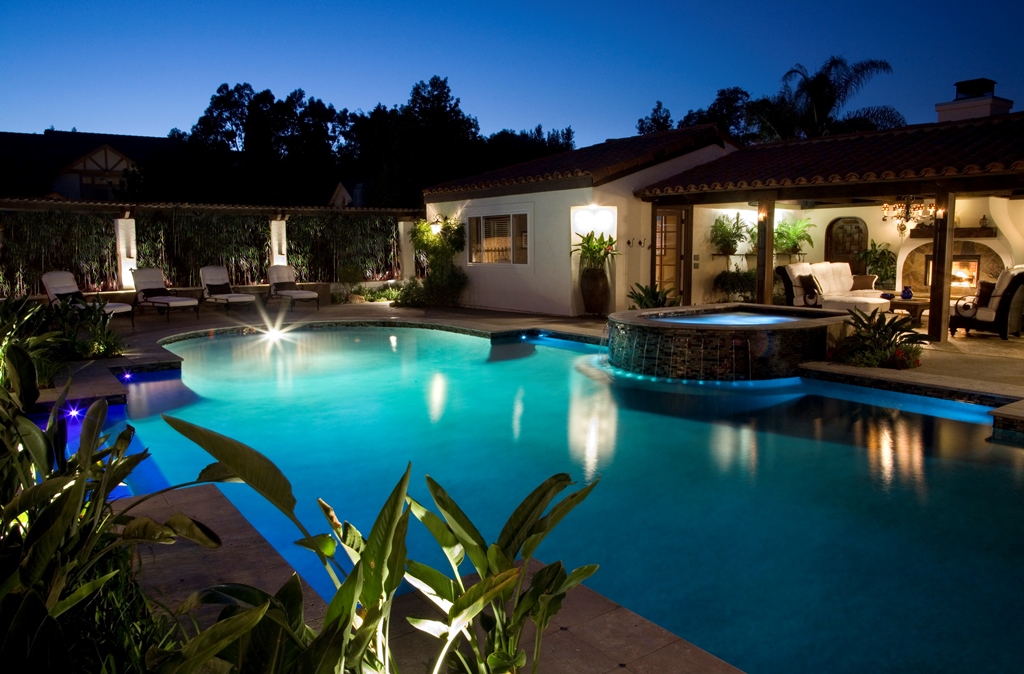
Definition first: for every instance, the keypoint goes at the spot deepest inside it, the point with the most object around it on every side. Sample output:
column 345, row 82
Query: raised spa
column 722, row 342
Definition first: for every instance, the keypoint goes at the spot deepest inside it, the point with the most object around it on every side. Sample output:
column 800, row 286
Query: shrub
column 728, row 233
column 736, row 282
column 651, row 297
column 878, row 341
column 445, row 281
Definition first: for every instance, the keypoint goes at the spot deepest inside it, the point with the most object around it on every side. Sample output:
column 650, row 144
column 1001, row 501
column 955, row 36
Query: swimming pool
column 789, row 527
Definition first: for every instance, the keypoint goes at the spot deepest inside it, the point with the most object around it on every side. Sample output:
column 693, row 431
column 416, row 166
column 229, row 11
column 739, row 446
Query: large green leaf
column 146, row 529
column 45, row 535
column 217, row 472
column 80, row 594
column 576, row 577
column 89, row 438
column 477, row 597
column 33, row 497
column 322, row 543
column 21, row 375
column 326, row 652
column 547, row 523
column 213, row 640
column 193, row 530
column 380, row 542
column 461, row 526
column 525, row 516
column 396, row 561
column 258, row 471
column 430, row 581
column 343, row 604
column 441, row 532
column 434, row 628
column 35, row 443
column 290, row 596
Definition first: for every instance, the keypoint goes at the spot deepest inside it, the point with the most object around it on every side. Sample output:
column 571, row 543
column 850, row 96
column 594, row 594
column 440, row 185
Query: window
column 499, row 239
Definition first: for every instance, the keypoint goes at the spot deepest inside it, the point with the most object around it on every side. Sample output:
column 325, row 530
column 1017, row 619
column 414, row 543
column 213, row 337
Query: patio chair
column 217, row 289
column 61, row 285
column 999, row 313
column 151, row 291
column 281, row 278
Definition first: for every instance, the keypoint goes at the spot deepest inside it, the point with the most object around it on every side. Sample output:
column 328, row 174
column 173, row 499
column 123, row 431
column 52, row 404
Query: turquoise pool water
column 790, row 528
column 726, row 318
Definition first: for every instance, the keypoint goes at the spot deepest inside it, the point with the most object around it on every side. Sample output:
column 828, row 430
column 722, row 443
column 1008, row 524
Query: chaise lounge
column 281, row 278
column 151, row 291
column 830, row 285
column 217, row 288
column 61, row 285
column 996, row 308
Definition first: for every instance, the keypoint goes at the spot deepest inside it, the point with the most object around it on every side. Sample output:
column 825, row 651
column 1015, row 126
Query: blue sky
column 146, row 67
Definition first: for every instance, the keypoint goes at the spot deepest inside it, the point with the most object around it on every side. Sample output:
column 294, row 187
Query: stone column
column 279, row 241
column 406, row 254
column 942, row 267
column 124, row 241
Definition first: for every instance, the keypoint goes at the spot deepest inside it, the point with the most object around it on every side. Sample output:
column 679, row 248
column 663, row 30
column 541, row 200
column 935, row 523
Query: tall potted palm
column 595, row 255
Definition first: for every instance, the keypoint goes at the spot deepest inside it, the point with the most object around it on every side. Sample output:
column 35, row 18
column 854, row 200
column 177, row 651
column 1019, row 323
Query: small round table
column 914, row 307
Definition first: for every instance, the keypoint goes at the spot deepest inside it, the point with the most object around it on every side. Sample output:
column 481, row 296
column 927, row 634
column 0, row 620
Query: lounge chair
column 282, row 286
column 61, row 285
column 150, row 291
column 999, row 313
column 217, row 288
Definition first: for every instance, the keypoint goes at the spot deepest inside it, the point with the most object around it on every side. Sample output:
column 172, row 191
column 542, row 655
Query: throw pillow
column 811, row 289
column 864, row 282
column 155, row 292
column 218, row 288
column 74, row 296
column 285, row 285
column 985, row 289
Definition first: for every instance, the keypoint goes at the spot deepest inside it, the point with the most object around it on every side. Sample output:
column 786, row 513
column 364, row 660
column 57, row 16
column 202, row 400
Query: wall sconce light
column 762, row 215
column 940, row 213
column 597, row 219
column 435, row 225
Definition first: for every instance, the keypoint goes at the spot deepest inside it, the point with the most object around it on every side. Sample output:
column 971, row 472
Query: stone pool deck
column 592, row 634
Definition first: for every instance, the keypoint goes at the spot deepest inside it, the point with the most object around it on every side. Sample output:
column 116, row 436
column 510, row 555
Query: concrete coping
column 806, row 317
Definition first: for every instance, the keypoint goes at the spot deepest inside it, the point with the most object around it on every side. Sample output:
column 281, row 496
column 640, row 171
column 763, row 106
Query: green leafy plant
column 596, row 252
column 84, row 330
column 736, row 282
column 790, row 235
column 880, row 261
column 445, row 280
column 651, row 297
column 728, row 233
column 751, row 233
column 878, row 341
column 388, row 293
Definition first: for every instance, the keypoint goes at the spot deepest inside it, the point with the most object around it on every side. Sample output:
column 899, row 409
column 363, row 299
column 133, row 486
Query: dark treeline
column 251, row 147
column 808, row 105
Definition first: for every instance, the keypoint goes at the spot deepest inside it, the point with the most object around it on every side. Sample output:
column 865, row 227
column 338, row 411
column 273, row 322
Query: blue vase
column 907, row 293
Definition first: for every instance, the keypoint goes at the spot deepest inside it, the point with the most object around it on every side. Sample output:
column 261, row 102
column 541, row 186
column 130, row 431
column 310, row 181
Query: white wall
column 546, row 284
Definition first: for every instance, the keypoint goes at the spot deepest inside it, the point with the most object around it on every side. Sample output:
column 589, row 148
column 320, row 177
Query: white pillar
column 124, row 240
column 406, row 254
column 279, row 241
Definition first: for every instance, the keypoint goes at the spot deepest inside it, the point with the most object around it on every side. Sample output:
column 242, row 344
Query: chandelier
column 910, row 212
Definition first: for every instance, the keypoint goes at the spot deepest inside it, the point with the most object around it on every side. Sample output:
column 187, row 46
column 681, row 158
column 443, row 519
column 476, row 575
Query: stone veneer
column 913, row 265
column 720, row 352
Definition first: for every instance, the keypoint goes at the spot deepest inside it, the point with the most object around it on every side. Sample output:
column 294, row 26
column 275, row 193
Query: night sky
column 146, row 67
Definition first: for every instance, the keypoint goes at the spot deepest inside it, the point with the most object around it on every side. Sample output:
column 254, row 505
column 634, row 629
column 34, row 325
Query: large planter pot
column 594, row 285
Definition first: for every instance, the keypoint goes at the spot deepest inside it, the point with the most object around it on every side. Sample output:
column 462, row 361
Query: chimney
column 974, row 98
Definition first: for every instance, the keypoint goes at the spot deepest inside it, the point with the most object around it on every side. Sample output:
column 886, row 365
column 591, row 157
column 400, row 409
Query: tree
column 222, row 125
column 813, row 107
column 728, row 112
column 660, row 119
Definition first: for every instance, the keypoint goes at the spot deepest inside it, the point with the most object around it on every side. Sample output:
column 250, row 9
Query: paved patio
column 592, row 634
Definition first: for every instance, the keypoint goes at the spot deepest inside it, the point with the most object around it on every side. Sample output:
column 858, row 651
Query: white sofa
column 835, row 287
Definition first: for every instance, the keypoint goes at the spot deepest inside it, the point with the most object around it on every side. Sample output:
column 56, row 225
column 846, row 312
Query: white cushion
column 985, row 314
column 280, row 273
column 823, row 273
column 967, row 309
column 842, row 276
column 795, row 271
column 847, row 302
column 232, row 298
column 173, row 301
column 116, row 308
column 298, row 294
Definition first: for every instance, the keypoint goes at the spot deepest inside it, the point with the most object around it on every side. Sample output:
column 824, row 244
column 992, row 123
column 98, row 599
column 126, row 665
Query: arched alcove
column 844, row 239
column 914, row 266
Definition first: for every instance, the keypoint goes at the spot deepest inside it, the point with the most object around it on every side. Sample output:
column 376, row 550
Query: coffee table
column 914, row 307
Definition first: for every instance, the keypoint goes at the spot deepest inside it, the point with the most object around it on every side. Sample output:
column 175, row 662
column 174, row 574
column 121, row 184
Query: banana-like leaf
column 258, row 471
column 34, row 441
column 496, row 560
column 461, row 526
column 195, row 531
column 477, row 597
column 290, row 597
column 227, row 594
column 358, row 646
column 396, row 561
column 435, row 582
column 34, row 496
column 525, row 516
column 434, row 628
column 324, row 543
column 217, row 472
column 500, row 662
column 89, row 439
column 441, row 532
column 121, row 469
column 343, row 604
column 551, row 520
column 576, row 577
column 21, row 374
column 326, row 652
column 332, row 519
column 213, row 640
column 45, row 535
column 380, row 542
column 146, row 529
column 80, row 594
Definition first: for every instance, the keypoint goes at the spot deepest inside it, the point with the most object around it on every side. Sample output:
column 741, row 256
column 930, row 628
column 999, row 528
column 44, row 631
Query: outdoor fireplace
column 964, row 278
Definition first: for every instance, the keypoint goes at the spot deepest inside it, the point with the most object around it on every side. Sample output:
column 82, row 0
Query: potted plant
column 881, row 262
column 595, row 253
column 791, row 234
column 752, row 238
column 738, row 286
column 728, row 233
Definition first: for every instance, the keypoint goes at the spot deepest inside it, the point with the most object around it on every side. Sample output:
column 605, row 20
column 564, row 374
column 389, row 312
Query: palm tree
column 809, row 104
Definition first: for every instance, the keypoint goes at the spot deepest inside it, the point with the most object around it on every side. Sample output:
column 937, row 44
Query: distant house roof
column 987, row 147
column 30, row 163
column 588, row 166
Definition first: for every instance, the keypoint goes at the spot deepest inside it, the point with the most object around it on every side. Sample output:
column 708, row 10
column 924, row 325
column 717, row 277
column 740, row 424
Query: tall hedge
column 318, row 246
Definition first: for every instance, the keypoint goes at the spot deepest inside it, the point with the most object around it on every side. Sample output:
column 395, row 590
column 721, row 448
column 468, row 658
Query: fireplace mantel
column 928, row 232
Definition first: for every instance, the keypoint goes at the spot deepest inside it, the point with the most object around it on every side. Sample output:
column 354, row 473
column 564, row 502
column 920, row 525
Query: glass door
column 670, row 228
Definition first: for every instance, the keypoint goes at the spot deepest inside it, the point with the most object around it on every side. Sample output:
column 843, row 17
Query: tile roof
column 990, row 145
column 602, row 162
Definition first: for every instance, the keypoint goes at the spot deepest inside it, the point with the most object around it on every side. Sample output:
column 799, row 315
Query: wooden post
column 942, row 267
column 765, row 247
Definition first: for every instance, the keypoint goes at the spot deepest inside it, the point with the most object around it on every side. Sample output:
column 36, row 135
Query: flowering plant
column 595, row 251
